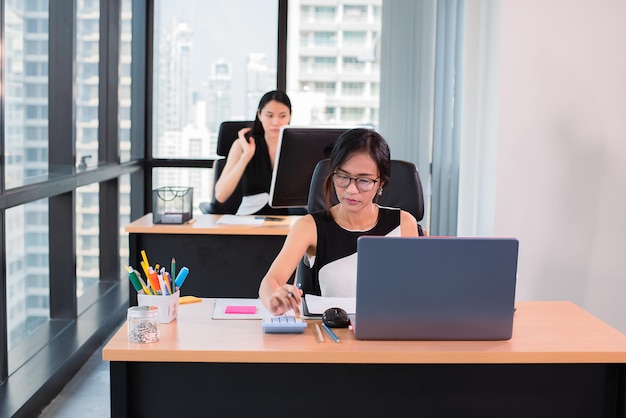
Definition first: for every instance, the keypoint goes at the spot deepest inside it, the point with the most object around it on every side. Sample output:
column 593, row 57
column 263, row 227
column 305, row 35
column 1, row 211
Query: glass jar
column 143, row 324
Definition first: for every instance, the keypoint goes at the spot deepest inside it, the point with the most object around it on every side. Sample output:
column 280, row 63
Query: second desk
column 223, row 260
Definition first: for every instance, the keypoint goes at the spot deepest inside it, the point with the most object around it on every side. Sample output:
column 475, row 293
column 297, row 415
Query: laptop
column 435, row 288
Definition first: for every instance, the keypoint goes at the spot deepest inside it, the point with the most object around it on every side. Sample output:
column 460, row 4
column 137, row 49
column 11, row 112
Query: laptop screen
column 435, row 288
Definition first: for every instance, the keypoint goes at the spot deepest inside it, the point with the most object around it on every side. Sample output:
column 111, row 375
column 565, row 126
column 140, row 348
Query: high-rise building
column 26, row 136
column 35, row 101
column 260, row 78
column 219, row 94
column 174, row 82
column 333, row 62
column 181, row 128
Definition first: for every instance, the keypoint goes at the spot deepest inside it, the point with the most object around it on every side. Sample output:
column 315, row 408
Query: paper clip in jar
column 143, row 324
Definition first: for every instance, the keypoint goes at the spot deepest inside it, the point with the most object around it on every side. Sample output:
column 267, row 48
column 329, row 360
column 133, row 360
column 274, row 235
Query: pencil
column 320, row 337
column 291, row 295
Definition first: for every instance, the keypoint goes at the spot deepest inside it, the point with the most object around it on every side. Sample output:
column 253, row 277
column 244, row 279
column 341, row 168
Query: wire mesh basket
column 172, row 205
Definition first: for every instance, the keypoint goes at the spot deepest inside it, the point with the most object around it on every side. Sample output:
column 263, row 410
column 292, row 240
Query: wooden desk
column 561, row 362
column 223, row 260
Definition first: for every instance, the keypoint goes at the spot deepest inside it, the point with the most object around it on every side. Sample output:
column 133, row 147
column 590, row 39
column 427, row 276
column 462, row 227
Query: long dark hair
column 353, row 142
column 277, row 95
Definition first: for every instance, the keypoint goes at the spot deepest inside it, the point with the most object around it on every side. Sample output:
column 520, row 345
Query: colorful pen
column 172, row 275
column 162, row 284
column 166, row 282
column 169, row 282
column 133, row 279
column 144, row 286
column 146, row 269
column 332, row 334
column 153, row 280
column 145, row 257
column 182, row 275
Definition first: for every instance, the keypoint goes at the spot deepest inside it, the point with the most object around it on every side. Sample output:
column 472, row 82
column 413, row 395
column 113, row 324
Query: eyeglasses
column 362, row 183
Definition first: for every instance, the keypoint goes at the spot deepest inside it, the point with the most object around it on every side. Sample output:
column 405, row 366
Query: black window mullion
column 4, row 367
column 109, row 230
column 108, row 138
column 2, row 88
column 281, row 73
column 61, row 145
column 62, row 232
column 4, row 360
column 141, row 99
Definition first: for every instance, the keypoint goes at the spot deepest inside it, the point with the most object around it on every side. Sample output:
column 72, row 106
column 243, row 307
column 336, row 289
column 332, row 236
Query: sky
column 226, row 29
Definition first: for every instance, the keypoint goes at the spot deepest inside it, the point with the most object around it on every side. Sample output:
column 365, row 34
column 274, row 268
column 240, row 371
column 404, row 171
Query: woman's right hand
column 248, row 145
column 284, row 298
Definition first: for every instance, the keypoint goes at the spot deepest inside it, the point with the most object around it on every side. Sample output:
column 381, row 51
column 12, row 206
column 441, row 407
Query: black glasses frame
column 364, row 184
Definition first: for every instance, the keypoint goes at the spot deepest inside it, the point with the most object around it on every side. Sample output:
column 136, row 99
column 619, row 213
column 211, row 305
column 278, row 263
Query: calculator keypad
column 283, row 324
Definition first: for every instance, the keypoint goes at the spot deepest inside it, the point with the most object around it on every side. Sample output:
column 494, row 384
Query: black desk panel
column 367, row 390
column 219, row 265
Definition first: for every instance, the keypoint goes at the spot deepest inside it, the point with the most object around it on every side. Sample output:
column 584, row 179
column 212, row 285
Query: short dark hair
column 354, row 141
column 276, row 95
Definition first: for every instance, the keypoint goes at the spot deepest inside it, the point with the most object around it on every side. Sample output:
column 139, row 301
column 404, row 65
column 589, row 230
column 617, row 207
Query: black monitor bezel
column 313, row 144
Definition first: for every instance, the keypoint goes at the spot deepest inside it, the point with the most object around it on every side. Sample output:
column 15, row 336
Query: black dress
column 333, row 271
column 257, row 178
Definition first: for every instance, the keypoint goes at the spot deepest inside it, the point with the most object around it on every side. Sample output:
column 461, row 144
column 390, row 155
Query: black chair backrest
column 404, row 190
column 227, row 134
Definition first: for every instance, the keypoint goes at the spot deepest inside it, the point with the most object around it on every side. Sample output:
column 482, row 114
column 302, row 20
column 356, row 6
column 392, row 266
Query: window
column 352, row 65
column 324, row 39
column 325, row 13
column 353, row 114
column 328, row 88
column 125, row 82
column 40, row 305
column 87, row 237
column 27, row 257
column 324, row 63
column 36, row 47
column 318, row 58
column 37, row 25
column 25, row 59
column 354, row 13
column 353, row 89
column 354, row 38
column 33, row 68
column 199, row 83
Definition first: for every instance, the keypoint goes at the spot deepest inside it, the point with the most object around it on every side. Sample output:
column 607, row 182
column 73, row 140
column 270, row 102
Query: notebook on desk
column 435, row 288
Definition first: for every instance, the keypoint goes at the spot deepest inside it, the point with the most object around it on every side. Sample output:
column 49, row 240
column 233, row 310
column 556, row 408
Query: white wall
column 561, row 150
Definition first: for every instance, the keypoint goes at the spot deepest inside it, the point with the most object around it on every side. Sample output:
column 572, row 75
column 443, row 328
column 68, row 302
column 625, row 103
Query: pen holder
column 167, row 304
column 172, row 205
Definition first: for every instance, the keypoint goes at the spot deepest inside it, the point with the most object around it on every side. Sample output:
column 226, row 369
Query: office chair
column 404, row 191
column 227, row 134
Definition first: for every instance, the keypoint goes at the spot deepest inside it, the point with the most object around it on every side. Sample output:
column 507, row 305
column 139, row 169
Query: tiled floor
column 86, row 395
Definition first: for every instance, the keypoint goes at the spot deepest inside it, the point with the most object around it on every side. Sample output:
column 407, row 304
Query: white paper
column 253, row 203
column 316, row 305
column 240, row 220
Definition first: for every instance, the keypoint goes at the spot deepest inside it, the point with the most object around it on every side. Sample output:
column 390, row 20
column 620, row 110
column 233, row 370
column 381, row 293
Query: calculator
column 283, row 324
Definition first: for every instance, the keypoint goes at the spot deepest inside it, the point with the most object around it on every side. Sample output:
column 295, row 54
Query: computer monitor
column 299, row 150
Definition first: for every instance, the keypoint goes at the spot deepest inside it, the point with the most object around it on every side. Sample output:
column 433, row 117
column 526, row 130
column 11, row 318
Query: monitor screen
column 299, row 150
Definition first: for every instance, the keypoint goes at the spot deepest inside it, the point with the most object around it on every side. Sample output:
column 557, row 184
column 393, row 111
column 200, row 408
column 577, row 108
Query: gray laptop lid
column 435, row 288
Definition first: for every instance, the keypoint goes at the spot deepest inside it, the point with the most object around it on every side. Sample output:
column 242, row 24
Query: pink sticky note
column 240, row 309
